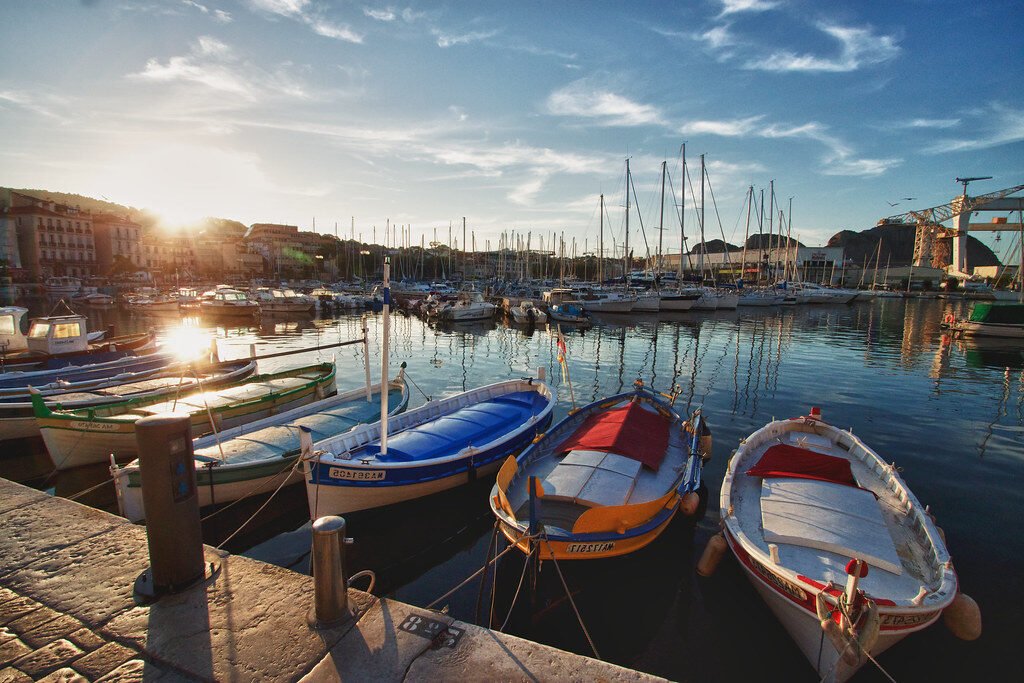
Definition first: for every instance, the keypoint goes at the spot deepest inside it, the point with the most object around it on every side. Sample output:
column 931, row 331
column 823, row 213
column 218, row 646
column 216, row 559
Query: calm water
column 950, row 414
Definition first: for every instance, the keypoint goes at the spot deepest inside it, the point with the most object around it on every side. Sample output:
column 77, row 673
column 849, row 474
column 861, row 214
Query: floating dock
column 67, row 613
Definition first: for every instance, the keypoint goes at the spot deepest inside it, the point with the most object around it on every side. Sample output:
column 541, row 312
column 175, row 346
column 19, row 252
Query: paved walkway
column 67, row 614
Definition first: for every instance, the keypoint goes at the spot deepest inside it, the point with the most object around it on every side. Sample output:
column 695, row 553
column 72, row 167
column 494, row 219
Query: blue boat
column 440, row 445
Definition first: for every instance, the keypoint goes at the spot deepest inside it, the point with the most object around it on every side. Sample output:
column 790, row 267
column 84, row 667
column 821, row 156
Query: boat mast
column 661, row 225
column 771, row 228
column 682, row 219
column 600, row 252
column 625, row 255
column 703, row 246
column 746, row 235
column 385, row 340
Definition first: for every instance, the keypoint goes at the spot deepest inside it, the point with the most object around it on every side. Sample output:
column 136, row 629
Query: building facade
column 117, row 239
column 52, row 239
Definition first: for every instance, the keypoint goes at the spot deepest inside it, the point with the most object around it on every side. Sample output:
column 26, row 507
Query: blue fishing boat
column 435, row 447
column 605, row 481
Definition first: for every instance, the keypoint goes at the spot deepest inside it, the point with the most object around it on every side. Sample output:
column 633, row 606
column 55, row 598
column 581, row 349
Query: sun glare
column 187, row 342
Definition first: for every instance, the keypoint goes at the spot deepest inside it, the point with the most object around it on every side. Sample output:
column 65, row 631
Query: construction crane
column 929, row 221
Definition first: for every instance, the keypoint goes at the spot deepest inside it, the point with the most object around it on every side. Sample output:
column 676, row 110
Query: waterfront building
column 116, row 236
column 169, row 255
column 52, row 239
column 288, row 251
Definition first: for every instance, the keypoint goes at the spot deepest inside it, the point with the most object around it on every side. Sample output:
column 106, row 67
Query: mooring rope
column 474, row 575
column 89, row 490
column 253, row 516
column 572, row 602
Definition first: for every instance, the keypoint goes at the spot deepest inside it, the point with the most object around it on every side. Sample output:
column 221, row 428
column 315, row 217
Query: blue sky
column 513, row 114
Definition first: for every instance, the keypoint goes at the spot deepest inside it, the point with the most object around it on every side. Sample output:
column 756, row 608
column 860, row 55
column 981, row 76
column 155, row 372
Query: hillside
column 897, row 246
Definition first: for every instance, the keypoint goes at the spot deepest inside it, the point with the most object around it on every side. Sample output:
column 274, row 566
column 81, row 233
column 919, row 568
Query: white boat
column 708, row 300
column 526, row 312
column 98, row 299
column 647, row 302
column 728, row 300
column 283, row 301
column 229, row 302
column 470, row 306
column 683, row 300
column 260, row 456
column 60, row 284
column 159, row 303
column 598, row 301
column 834, row 542
column 568, row 312
column 990, row 319
column 759, row 297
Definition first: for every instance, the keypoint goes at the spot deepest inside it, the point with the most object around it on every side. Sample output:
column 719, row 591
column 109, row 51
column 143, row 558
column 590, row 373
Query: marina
column 948, row 410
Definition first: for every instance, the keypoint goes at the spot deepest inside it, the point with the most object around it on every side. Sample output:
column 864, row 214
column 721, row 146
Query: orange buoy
column 713, row 552
column 949, row 319
column 963, row 617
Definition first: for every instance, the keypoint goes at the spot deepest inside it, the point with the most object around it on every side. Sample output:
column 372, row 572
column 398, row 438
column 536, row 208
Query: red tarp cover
column 783, row 460
column 630, row 431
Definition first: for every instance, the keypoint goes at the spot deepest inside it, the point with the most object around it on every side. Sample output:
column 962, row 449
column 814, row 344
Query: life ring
column 949, row 319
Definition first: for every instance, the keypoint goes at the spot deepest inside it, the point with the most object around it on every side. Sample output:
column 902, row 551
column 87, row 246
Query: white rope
column 474, row 575
column 253, row 516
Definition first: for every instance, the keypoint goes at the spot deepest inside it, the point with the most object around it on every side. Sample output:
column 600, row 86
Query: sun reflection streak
column 187, row 341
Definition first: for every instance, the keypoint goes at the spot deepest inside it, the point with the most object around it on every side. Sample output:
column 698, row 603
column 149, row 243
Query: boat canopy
column 631, row 431
column 1004, row 314
column 784, row 460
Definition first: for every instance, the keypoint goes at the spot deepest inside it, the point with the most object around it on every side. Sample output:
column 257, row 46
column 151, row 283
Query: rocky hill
column 897, row 246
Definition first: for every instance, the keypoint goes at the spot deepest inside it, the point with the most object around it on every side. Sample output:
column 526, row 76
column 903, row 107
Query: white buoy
column 713, row 553
column 963, row 617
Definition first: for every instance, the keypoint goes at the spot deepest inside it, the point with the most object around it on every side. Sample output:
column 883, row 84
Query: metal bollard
column 330, row 582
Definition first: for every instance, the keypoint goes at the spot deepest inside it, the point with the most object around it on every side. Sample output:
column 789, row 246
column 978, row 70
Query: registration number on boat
column 589, row 547
column 95, row 426
column 355, row 475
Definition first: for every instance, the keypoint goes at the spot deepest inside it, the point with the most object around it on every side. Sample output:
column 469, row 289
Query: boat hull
column 671, row 302
column 979, row 329
column 610, row 306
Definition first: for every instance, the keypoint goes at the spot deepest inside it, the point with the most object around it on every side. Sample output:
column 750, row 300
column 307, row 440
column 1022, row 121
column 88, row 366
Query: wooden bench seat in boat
column 592, row 479
column 823, row 515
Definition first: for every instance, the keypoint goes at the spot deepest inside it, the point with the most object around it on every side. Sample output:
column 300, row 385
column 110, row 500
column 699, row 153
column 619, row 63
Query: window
column 67, row 330
column 39, row 330
column 6, row 324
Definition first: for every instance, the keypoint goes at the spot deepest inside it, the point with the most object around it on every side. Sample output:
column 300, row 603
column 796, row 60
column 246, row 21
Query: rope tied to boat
column 417, row 387
column 572, row 602
column 478, row 572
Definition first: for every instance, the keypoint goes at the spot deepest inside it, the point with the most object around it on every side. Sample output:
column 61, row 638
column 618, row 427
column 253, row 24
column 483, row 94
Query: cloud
column 222, row 16
column 380, row 14
column 731, row 128
column 32, row 103
column 858, row 47
column 717, row 38
column 580, row 99
column 997, row 124
column 214, row 65
column 737, row 6
column 926, row 123
column 449, row 39
column 305, row 12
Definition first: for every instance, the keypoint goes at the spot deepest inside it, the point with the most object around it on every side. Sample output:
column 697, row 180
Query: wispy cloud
column 729, row 128
column 606, row 108
column 386, row 14
column 214, row 65
column 445, row 39
column 925, row 123
column 222, row 16
column 998, row 125
column 858, row 47
column 305, row 12
column 43, row 106
column 738, row 6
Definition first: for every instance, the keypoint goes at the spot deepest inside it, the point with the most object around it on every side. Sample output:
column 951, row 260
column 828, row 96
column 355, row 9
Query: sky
column 514, row 115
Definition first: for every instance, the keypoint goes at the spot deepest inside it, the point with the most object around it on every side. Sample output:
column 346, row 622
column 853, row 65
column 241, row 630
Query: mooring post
column 330, row 582
column 173, row 531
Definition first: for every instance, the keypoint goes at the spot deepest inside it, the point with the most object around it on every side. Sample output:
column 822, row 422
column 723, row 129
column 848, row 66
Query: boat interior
column 821, row 498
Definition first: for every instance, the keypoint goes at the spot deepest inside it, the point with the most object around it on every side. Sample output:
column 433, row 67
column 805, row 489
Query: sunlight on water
column 187, row 341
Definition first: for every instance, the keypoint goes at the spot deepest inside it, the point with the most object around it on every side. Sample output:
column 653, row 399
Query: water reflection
column 950, row 412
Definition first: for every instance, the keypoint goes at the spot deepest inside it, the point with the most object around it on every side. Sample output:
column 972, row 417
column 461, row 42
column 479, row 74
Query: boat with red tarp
column 605, row 481
column 834, row 541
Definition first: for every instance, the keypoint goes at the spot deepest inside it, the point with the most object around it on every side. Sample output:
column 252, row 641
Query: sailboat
column 435, row 447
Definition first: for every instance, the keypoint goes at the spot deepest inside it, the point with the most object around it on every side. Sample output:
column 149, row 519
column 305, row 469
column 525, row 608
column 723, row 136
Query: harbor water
column 949, row 413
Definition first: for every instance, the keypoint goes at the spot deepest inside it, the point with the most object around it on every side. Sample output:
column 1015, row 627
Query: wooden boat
column 160, row 303
column 260, row 456
column 440, row 445
column 17, row 411
column 834, row 542
column 62, row 340
column 568, row 312
column 989, row 319
column 605, row 481
column 90, row 435
column 435, row 447
column 470, row 306
column 283, row 301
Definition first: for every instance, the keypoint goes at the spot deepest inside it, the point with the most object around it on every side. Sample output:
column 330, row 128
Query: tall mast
column 682, row 218
column 771, row 225
column 789, row 232
column 661, row 222
column 600, row 253
column 703, row 247
column 625, row 255
column 746, row 235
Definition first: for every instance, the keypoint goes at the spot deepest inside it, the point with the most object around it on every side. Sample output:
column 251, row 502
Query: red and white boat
column 834, row 542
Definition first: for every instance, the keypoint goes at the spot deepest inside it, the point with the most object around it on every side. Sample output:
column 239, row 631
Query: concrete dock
column 67, row 614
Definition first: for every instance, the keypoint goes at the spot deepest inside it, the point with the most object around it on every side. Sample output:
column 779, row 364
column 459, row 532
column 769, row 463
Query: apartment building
column 52, row 239
column 116, row 236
